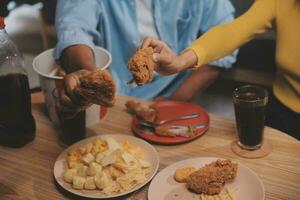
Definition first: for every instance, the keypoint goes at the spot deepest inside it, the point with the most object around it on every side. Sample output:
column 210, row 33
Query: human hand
column 167, row 61
column 70, row 103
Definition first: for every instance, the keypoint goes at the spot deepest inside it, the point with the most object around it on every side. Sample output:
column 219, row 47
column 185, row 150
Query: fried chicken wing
column 147, row 113
column 142, row 66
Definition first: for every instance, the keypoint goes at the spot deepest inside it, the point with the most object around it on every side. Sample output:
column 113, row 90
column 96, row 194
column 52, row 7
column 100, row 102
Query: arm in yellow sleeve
column 224, row 39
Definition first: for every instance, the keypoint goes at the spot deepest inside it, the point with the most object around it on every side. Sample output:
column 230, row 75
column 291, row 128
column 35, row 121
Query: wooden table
column 26, row 173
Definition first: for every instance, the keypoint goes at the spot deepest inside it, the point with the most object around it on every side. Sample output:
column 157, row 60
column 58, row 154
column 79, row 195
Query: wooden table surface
column 26, row 173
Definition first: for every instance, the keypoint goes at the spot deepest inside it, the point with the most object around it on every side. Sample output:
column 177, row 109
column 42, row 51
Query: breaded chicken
column 97, row 87
column 170, row 131
column 207, row 180
column 142, row 66
column 146, row 113
column 211, row 178
column 132, row 106
column 229, row 169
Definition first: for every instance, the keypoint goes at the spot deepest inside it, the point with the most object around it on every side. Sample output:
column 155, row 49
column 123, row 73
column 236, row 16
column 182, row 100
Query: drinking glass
column 72, row 126
column 250, row 110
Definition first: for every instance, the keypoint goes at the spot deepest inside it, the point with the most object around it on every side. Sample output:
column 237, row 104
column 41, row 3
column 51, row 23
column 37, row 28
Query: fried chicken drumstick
column 142, row 66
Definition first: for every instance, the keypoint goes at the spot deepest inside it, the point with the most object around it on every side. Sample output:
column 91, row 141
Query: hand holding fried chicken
column 167, row 62
column 84, row 88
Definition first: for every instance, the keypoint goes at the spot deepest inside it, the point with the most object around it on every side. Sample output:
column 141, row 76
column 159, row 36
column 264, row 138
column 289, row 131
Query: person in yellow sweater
column 281, row 15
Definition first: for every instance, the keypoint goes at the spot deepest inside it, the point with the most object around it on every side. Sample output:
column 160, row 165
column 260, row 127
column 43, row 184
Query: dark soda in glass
column 250, row 110
column 72, row 126
column 72, row 129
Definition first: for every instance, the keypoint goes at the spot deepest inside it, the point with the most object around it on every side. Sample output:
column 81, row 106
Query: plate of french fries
column 106, row 166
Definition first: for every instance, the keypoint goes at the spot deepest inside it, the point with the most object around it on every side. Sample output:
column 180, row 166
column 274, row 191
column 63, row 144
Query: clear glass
column 17, row 126
column 73, row 127
column 250, row 109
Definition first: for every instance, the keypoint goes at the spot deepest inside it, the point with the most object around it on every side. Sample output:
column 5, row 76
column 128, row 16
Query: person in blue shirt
column 121, row 25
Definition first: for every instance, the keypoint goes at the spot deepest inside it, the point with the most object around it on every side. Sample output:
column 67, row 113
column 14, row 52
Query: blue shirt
column 112, row 24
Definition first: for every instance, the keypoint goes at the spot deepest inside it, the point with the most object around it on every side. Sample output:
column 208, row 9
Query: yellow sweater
column 284, row 17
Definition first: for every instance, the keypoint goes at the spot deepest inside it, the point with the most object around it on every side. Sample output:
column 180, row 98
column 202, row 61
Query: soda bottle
column 17, row 125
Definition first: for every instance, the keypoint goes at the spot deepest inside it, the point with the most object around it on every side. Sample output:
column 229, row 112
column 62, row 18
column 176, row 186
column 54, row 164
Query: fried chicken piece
column 132, row 106
column 141, row 65
column 229, row 169
column 146, row 113
column 97, row 87
column 211, row 178
column 208, row 180
column 171, row 131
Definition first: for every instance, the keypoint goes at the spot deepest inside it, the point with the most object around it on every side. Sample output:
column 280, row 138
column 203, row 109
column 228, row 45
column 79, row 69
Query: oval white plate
column 150, row 154
column 248, row 184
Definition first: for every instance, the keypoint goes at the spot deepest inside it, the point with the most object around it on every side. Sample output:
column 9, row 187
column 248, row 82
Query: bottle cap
column 2, row 24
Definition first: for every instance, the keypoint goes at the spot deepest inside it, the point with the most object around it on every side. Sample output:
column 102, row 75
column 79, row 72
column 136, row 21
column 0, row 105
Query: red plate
column 170, row 109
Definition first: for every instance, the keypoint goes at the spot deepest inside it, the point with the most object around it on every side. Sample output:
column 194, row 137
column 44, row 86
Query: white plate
column 150, row 154
column 164, row 187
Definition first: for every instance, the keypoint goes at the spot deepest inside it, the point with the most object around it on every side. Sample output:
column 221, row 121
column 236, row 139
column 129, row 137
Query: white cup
column 44, row 64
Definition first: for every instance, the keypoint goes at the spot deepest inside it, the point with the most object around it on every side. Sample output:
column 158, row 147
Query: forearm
column 77, row 57
column 76, row 26
column 187, row 59
column 196, row 83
